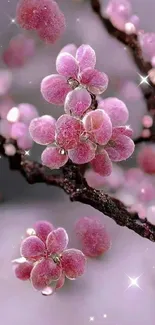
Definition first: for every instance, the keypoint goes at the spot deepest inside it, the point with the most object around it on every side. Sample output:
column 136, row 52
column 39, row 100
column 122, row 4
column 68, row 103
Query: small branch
column 133, row 44
column 72, row 182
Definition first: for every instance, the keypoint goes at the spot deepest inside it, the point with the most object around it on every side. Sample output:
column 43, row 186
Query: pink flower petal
column 44, row 272
column 54, row 157
column 42, row 129
column 124, row 130
column 57, row 241
column 102, row 164
column 69, row 48
column 83, row 153
column 116, row 110
column 67, row 66
column 96, row 81
column 86, row 57
column 54, row 89
column 120, row 148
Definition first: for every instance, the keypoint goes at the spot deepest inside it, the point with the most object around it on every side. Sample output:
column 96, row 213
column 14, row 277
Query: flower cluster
column 43, row 16
column 46, row 261
column 14, row 124
column 85, row 133
column 120, row 14
column 20, row 48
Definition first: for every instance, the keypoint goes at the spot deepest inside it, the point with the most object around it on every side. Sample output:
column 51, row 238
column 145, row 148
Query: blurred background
column 103, row 295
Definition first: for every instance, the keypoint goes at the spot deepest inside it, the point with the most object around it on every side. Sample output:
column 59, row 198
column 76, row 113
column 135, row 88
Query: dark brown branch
column 133, row 44
column 72, row 182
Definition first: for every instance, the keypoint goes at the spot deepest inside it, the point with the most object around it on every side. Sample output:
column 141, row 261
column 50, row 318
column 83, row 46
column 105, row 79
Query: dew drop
column 48, row 291
column 30, row 232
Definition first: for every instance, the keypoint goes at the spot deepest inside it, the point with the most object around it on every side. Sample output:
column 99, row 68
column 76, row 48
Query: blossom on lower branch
column 45, row 259
column 88, row 132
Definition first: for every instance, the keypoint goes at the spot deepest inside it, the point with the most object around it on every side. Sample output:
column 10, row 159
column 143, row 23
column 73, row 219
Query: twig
column 72, row 182
column 133, row 44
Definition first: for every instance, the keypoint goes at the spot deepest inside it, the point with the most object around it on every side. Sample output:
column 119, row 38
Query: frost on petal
column 77, row 102
column 96, row 81
column 116, row 110
column 54, row 89
column 32, row 248
column 83, row 153
column 86, row 57
column 97, row 123
column 124, row 130
column 120, row 148
column 23, row 270
column 27, row 112
column 44, row 273
column 69, row 48
column 42, row 129
column 57, row 241
column 68, row 131
column 54, row 157
column 93, row 236
column 67, row 66
column 42, row 229
column 102, row 164
column 73, row 263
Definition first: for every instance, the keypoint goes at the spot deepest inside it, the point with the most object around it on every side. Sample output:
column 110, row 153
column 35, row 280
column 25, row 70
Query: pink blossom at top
column 85, row 133
column 73, row 72
column 43, row 16
column 46, row 260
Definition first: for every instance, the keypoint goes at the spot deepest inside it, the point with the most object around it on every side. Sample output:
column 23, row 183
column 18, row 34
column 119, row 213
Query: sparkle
column 12, row 20
column 27, row 153
column 134, row 282
column 144, row 80
column 91, row 318
column 105, row 316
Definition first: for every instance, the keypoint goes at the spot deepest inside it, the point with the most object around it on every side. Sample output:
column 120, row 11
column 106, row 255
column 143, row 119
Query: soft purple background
column 103, row 290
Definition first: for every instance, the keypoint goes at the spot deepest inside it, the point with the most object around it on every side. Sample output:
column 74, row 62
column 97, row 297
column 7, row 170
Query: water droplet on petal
column 30, row 232
column 48, row 291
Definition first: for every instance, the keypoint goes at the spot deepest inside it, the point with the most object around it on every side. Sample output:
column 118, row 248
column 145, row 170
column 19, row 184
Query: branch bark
column 74, row 185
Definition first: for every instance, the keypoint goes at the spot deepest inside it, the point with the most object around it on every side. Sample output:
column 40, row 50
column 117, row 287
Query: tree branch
column 133, row 44
column 70, row 178
column 72, row 182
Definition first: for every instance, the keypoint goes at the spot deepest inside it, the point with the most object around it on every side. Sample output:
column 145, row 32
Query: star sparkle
column 27, row 153
column 134, row 282
column 91, row 318
column 143, row 80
